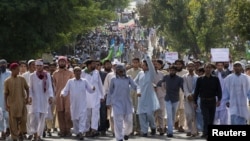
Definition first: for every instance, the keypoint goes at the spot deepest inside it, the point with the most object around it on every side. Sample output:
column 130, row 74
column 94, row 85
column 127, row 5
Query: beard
column 172, row 74
column 2, row 69
column 62, row 66
column 107, row 69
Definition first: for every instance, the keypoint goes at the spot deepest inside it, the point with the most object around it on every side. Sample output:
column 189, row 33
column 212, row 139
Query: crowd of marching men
column 144, row 98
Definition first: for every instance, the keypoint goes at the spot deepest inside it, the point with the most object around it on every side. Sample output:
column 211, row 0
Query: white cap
column 30, row 61
column 39, row 63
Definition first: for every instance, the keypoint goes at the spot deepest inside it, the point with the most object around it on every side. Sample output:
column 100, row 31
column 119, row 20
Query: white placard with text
column 171, row 57
column 219, row 54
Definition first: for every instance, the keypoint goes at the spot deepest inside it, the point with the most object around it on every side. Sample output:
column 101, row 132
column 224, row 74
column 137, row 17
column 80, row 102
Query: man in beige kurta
column 60, row 78
column 15, row 91
column 180, row 114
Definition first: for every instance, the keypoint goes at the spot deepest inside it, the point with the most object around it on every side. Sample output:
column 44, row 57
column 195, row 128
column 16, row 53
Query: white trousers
column 93, row 116
column 123, row 125
column 190, row 114
column 79, row 125
column 37, row 124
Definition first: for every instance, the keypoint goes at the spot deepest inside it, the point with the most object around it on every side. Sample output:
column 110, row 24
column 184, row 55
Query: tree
column 198, row 25
column 29, row 28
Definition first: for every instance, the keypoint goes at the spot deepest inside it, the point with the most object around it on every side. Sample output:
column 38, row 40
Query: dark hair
column 179, row 60
column 107, row 61
column 98, row 61
column 136, row 59
column 52, row 64
column 209, row 64
column 172, row 67
column 201, row 69
column 159, row 61
column 89, row 61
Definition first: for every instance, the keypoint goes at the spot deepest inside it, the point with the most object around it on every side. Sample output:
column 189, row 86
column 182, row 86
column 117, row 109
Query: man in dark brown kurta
column 16, row 94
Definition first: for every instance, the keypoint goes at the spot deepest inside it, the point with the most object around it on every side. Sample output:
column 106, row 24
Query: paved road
column 177, row 137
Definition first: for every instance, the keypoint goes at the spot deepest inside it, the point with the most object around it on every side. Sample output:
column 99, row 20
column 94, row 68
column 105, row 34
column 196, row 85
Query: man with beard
column 106, row 86
column 41, row 93
column 60, row 78
column 26, row 75
column 93, row 100
column 207, row 88
column 4, row 123
column 103, row 123
column 174, row 84
column 180, row 114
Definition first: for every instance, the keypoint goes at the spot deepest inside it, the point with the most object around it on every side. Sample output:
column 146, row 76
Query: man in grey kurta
column 147, row 101
column 120, row 99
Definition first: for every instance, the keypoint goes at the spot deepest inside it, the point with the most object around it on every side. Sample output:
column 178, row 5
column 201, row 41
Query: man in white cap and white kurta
column 93, row 100
column 26, row 75
column 77, row 88
column 41, row 93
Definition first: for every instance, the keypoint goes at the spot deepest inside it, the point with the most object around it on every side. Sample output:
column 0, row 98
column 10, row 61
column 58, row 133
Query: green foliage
column 29, row 28
column 113, row 4
column 199, row 25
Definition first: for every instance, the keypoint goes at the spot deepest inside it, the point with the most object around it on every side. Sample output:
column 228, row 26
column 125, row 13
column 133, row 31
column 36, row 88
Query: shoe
column 103, row 133
column 204, row 136
column 160, row 130
column 44, row 134
column 188, row 134
column 126, row 137
column 153, row 131
column 21, row 137
column 7, row 133
column 29, row 137
column 49, row 133
column 170, row 135
column 68, row 134
column 176, row 125
column 61, row 134
column 80, row 136
column 55, row 130
column 88, row 134
column 144, row 135
column 180, row 129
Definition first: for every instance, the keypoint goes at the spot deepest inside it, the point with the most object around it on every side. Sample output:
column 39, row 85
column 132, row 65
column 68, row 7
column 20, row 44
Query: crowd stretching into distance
column 131, row 92
column 144, row 98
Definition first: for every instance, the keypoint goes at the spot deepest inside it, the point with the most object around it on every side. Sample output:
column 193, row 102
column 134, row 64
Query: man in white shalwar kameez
column 4, row 122
column 41, row 93
column 77, row 88
column 93, row 100
column 106, row 87
column 120, row 99
column 189, row 83
column 147, row 102
column 160, row 114
column 221, row 114
column 237, row 88
column 26, row 75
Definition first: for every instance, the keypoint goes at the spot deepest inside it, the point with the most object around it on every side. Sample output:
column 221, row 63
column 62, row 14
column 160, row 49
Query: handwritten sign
column 171, row 57
column 219, row 54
